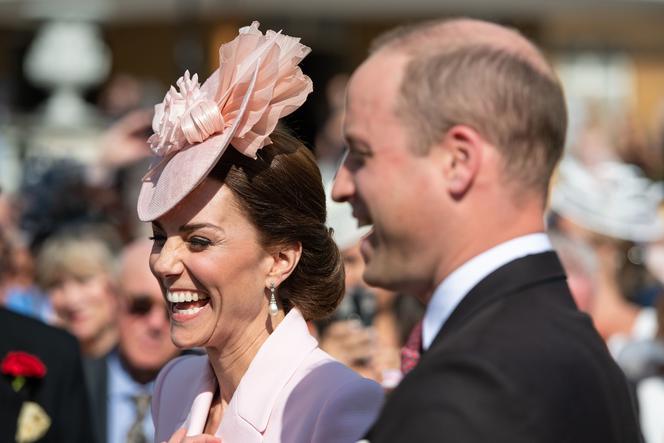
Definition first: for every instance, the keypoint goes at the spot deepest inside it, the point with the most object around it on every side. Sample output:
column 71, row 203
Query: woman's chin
column 191, row 328
column 187, row 341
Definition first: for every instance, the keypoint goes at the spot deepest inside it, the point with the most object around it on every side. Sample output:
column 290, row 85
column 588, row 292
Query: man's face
column 387, row 184
column 145, row 339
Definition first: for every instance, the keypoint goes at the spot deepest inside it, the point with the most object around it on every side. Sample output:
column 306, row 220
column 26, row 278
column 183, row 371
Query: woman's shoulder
column 335, row 373
column 347, row 403
column 169, row 385
column 181, row 365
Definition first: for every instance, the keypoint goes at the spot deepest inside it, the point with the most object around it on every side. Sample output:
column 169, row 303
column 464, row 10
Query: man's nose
column 158, row 317
column 343, row 187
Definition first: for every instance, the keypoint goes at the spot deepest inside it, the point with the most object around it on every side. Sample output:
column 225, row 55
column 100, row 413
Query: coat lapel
column 516, row 275
column 272, row 367
column 11, row 405
column 249, row 410
column 204, row 387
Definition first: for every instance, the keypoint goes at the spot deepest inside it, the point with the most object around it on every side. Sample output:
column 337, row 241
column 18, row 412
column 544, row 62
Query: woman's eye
column 199, row 242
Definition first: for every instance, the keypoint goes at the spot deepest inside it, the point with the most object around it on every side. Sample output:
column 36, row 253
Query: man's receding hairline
column 446, row 36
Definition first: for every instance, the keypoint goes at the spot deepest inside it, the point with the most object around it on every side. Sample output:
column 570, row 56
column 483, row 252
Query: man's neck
column 473, row 242
column 142, row 376
column 102, row 343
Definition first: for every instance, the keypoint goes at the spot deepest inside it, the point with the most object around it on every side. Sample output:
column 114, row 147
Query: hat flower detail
column 184, row 117
column 258, row 81
column 193, row 113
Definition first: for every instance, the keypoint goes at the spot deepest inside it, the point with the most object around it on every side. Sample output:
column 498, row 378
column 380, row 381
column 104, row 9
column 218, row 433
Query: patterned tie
column 410, row 353
column 136, row 434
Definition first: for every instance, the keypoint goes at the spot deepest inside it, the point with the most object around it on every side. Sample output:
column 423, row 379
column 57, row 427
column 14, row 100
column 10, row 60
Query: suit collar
column 518, row 274
column 269, row 371
column 457, row 285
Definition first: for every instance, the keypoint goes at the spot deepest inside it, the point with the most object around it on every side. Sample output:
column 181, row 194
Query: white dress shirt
column 121, row 408
column 454, row 288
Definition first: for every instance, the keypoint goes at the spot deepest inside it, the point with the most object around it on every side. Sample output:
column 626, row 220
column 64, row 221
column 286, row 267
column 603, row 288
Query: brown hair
column 282, row 194
column 504, row 90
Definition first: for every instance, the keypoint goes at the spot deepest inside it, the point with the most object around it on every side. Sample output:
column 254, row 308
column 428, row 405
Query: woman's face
column 85, row 305
column 206, row 249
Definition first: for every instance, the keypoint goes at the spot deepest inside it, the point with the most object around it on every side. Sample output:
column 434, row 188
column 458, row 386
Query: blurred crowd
column 73, row 255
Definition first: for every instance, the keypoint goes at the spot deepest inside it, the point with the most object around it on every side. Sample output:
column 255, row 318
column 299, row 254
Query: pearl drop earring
column 273, row 308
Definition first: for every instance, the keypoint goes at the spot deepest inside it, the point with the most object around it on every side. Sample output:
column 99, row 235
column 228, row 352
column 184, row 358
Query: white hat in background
column 340, row 219
column 610, row 198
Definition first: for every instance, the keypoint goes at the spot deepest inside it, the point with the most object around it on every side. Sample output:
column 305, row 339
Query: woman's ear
column 462, row 147
column 285, row 257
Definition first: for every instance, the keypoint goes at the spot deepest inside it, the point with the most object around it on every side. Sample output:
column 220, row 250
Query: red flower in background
column 22, row 365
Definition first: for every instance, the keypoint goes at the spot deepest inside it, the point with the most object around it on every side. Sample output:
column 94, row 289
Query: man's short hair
column 505, row 96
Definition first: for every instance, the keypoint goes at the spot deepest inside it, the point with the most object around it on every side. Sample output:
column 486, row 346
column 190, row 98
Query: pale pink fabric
column 293, row 392
column 258, row 82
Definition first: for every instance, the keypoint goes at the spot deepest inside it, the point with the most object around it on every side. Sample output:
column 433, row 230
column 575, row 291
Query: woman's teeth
column 185, row 296
column 190, row 311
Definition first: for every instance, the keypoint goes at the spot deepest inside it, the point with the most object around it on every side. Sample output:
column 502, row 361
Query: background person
column 363, row 332
column 121, row 383
column 77, row 268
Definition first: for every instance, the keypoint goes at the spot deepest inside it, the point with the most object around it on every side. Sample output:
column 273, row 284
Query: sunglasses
column 141, row 305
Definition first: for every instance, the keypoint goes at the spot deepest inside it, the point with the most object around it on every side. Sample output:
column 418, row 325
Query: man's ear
column 285, row 257
column 461, row 154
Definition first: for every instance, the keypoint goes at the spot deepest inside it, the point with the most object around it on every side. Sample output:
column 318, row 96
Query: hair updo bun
column 282, row 194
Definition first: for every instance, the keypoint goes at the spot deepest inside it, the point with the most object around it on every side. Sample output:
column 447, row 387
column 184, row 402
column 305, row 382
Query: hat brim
column 176, row 177
column 172, row 178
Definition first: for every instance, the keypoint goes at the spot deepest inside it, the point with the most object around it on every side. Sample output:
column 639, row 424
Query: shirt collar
column 121, row 384
column 454, row 288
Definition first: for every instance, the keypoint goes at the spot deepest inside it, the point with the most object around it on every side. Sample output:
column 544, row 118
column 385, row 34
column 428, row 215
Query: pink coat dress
column 292, row 392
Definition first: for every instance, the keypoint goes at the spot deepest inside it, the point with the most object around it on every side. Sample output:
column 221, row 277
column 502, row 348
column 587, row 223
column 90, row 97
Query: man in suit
column 454, row 129
column 60, row 393
column 121, row 383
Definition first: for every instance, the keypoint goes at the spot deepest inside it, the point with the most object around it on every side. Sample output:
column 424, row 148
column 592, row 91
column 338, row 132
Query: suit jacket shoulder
column 516, row 362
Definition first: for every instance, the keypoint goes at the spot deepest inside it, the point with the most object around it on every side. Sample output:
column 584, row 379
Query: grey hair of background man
column 490, row 78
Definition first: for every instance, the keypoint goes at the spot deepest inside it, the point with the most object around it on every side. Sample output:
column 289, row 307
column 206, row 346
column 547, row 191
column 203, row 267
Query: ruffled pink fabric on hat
column 258, row 82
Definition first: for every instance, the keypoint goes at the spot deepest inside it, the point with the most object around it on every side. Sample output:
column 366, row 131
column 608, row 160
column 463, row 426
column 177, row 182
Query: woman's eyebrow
column 195, row 226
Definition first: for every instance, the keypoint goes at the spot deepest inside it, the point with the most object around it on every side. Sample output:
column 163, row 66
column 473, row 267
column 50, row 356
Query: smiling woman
column 244, row 258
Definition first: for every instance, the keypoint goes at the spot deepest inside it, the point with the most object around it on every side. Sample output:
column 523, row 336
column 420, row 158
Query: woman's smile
column 185, row 305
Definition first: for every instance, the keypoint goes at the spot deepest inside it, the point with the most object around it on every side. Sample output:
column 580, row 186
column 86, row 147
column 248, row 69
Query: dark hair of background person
column 514, row 104
column 281, row 193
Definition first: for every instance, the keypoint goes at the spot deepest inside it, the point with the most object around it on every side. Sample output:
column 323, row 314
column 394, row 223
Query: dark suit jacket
column 96, row 378
column 515, row 362
column 61, row 393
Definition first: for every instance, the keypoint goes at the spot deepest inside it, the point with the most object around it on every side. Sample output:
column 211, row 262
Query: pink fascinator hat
column 258, row 82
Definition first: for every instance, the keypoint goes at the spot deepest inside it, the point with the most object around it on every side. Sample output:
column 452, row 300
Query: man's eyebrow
column 357, row 145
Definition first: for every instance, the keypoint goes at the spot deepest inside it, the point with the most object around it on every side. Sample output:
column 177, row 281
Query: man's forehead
column 381, row 72
column 374, row 86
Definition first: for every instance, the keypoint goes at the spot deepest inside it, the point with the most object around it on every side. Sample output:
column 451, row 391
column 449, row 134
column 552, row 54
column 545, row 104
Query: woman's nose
column 166, row 261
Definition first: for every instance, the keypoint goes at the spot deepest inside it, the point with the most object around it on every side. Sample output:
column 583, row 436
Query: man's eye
column 355, row 158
